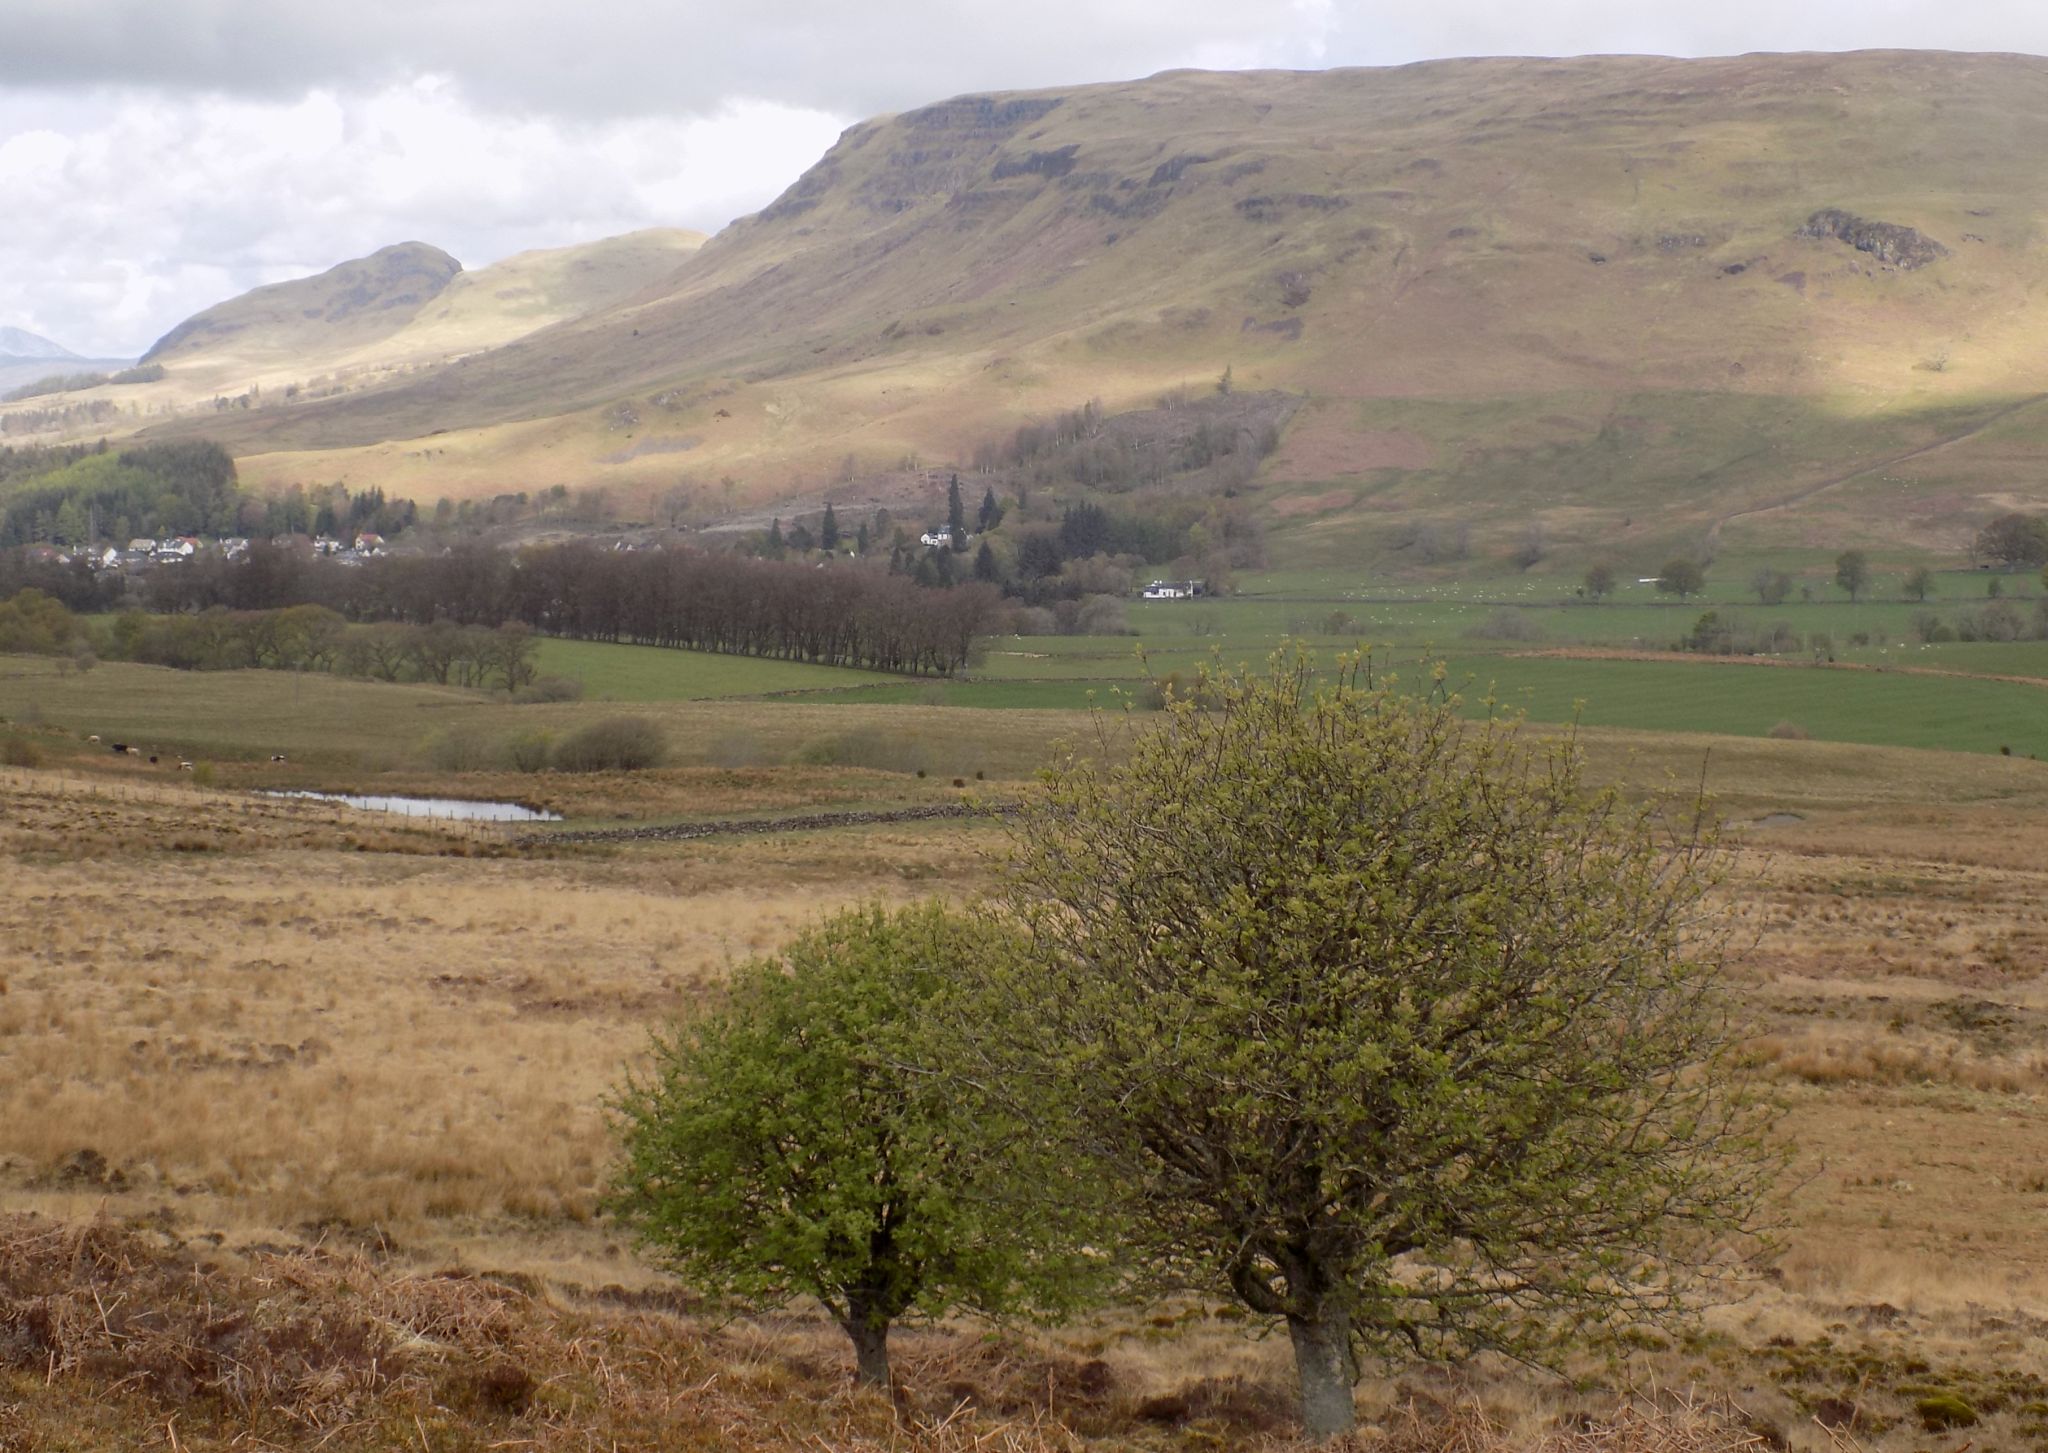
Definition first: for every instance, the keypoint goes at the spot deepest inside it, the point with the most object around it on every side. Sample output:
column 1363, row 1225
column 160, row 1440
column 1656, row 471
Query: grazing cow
column 277, row 756
column 184, row 766
column 120, row 749
column 94, row 738
column 152, row 759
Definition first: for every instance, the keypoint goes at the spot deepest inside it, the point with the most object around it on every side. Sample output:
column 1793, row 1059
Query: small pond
column 447, row 809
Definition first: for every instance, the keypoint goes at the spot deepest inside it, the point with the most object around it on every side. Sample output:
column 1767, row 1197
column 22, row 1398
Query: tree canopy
column 1397, row 1031
column 1682, row 576
column 796, row 1142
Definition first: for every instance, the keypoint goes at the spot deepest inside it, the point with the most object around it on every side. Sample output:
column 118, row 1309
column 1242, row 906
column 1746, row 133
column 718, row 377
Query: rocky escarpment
column 1888, row 242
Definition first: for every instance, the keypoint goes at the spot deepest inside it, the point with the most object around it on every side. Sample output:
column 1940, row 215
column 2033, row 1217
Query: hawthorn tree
column 1599, row 582
column 1391, row 1027
column 1919, row 582
column 1682, row 577
column 2014, row 540
column 796, row 1141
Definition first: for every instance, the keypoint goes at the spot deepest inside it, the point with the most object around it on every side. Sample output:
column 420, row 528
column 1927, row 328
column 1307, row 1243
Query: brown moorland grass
column 239, row 1024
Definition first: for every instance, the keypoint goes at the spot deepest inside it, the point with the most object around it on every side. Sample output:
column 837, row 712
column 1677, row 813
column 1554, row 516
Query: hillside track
column 1836, row 481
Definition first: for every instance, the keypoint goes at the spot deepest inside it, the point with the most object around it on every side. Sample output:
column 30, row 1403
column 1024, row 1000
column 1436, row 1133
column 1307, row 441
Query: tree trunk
column 870, row 1352
column 1323, row 1362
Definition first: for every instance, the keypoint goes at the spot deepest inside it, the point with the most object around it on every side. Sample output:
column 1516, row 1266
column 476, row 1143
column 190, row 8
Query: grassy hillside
column 398, row 312
column 1592, row 292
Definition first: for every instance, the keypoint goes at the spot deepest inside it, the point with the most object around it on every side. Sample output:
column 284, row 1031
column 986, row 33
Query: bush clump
column 530, row 751
column 20, row 752
column 1508, row 624
column 1790, row 731
column 1944, row 1410
column 460, row 750
column 616, row 744
column 868, row 747
column 547, row 689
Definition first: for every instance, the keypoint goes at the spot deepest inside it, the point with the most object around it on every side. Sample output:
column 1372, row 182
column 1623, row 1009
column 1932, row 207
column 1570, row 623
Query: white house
column 941, row 537
column 1172, row 590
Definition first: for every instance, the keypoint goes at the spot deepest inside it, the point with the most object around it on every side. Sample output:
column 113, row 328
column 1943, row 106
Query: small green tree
column 1397, row 1032
column 991, row 513
column 828, row 530
column 956, row 512
column 1599, row 582
column 1852, row 572
column 1682, row 576
column 796, row 1142
column 1919, row 582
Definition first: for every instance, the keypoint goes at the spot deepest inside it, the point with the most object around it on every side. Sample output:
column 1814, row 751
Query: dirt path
column 806, row 822
column 1835, row 481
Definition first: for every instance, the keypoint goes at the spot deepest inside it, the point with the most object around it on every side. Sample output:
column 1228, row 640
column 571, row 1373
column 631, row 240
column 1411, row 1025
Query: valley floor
column 325, row 1076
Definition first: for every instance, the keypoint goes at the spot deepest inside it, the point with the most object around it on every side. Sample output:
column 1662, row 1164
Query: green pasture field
column 640, row 673
column 1686, row 694
column 1636, row 616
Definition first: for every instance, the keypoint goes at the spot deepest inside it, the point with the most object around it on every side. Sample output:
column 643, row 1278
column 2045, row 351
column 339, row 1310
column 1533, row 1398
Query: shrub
column 868, row 747
column 549, row 688
column 459, row 750
column 1102, row 615
column 616, row 744
column 21, row 752
column 530, row 751
column 1508, row 624
column 1943, row 1410
column 1790, row 731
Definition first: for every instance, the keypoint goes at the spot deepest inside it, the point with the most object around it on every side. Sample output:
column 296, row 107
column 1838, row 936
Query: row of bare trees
column 834, row 614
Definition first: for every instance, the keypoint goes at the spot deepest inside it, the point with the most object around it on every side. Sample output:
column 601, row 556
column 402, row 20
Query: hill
column 355, row 302
column 18, row 345
column 364, row 322
column 1597, row 302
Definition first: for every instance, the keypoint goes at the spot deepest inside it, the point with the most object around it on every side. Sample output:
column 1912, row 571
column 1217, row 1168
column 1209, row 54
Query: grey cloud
column 638, row 56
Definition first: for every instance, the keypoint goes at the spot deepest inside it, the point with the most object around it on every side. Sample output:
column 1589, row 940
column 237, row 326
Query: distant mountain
column 18, row 345
column 1625, row 304
column 356, row 302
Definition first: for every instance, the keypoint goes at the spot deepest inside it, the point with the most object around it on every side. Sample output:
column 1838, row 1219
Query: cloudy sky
column 157, row 156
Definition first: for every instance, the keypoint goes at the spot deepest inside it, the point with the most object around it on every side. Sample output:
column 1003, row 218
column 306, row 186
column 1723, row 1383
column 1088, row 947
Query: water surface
column 456, row 809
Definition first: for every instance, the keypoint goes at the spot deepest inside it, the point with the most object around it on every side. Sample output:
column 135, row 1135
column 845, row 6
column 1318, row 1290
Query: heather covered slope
column 1802, row 262
column 1608, row 294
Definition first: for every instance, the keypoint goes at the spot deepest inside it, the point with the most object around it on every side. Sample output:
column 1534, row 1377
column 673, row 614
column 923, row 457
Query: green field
column 1687, row 694
column 643, row 673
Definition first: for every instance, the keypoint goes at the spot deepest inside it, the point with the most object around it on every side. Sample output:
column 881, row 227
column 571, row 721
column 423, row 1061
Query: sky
column 158, row 156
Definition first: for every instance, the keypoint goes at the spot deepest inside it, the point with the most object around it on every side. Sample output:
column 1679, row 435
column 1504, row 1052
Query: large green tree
column 798, row 1141
column 1398, row 1032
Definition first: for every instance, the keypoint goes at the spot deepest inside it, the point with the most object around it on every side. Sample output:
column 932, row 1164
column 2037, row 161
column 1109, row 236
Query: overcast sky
column 157, row 156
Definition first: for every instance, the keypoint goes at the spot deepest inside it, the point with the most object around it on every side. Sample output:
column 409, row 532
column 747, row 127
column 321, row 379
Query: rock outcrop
column 1888, row 242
